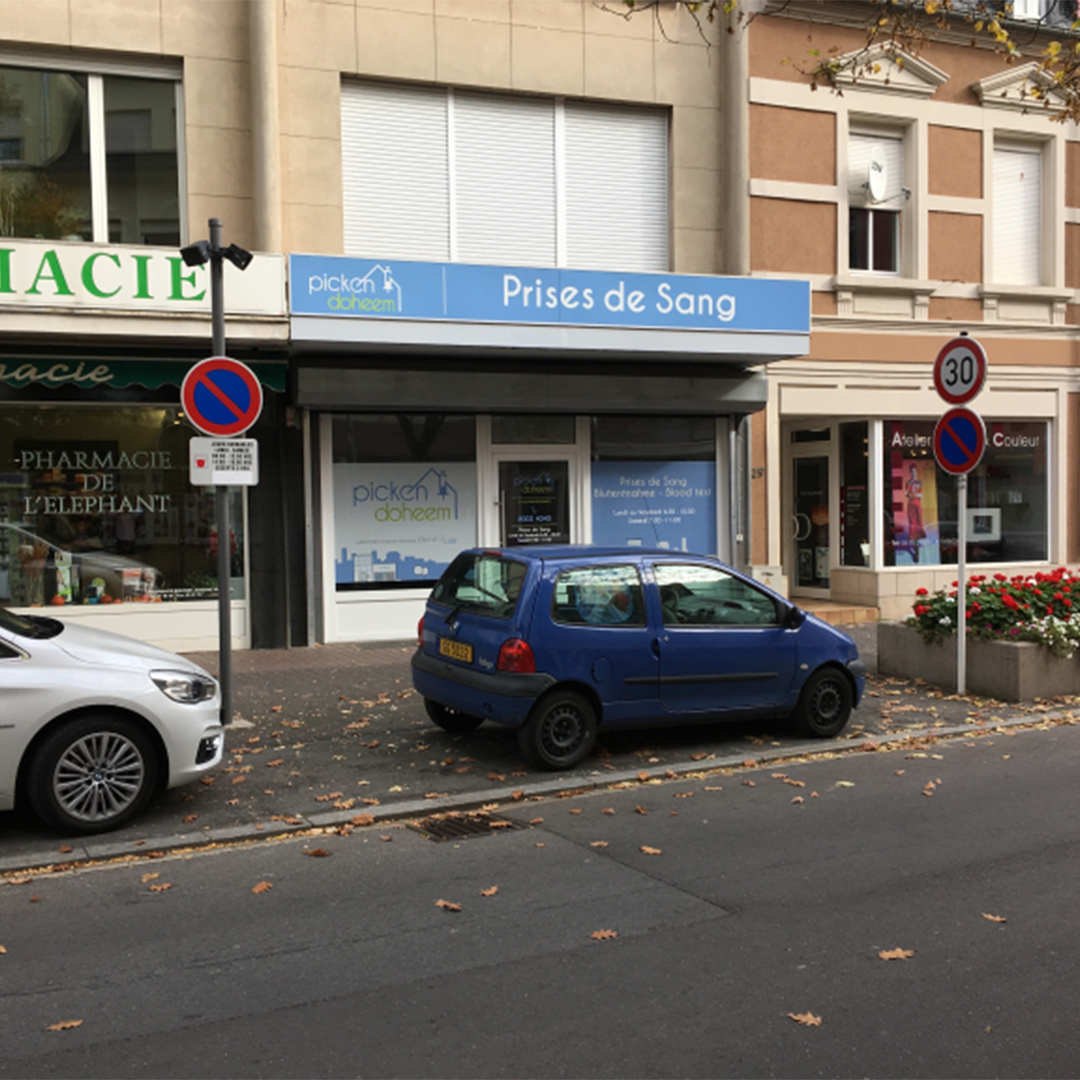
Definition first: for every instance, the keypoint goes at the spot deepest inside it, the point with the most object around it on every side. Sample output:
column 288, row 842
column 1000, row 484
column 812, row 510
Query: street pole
column 961, row 585
column 221, row 492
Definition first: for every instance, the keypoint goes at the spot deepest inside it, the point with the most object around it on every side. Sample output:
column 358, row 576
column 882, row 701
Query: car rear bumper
column 502, row 696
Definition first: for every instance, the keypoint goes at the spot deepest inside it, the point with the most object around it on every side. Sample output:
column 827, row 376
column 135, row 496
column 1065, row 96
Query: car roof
column 579, row 552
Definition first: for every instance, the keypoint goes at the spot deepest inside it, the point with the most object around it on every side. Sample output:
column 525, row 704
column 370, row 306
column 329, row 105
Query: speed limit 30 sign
column 960, row 370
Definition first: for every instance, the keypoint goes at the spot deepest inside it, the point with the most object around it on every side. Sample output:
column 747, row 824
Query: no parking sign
column 221, row 396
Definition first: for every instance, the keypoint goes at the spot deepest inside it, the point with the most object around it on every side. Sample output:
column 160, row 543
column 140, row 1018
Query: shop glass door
column 810, row 492
column 534, row 502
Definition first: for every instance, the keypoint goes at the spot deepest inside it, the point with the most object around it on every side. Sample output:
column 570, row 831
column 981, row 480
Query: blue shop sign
column 398, row 289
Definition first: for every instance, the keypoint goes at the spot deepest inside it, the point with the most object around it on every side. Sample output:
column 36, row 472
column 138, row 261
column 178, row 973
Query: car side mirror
column 795, row 618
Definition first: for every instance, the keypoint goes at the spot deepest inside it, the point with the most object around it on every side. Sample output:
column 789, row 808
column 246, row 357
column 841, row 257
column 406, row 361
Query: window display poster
column 660, row 504
column 916, row 530
column 401, row 522
column 536, row 502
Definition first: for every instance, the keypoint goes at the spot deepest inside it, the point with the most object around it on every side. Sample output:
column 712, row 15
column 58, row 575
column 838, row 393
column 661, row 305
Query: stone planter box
column 1005, row 671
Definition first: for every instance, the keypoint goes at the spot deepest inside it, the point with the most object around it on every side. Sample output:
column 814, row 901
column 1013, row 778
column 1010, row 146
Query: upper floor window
column 876, row 196
column 437, row 174
column 1017, row 215
column 88, row 157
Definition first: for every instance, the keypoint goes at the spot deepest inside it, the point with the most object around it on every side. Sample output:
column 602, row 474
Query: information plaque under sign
column 224, row 462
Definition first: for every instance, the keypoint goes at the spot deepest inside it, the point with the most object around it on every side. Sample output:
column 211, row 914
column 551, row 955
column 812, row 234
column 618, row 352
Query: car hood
column 90, row 646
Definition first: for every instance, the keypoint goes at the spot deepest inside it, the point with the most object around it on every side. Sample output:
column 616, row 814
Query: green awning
column 120, row 374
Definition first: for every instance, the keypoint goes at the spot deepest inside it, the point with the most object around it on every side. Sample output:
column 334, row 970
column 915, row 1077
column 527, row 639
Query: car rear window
column 599, row 596
column 483, row 582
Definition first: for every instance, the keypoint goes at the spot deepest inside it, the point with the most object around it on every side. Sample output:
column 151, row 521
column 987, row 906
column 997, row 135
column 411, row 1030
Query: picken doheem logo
column 410, row 502
column 375, row 293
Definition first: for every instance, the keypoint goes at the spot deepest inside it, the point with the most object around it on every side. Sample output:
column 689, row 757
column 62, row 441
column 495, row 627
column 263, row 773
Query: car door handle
column 656, row 647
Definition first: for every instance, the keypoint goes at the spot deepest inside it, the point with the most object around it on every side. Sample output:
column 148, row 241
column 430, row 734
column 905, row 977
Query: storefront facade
column 98, row 520
column 610, row 412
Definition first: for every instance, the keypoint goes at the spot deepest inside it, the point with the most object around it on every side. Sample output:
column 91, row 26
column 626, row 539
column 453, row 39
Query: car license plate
column 456, row 650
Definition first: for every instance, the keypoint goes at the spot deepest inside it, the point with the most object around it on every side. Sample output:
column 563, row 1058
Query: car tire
column 92, row 775
column 824, row 704
column 560, row 731
column 450, row 719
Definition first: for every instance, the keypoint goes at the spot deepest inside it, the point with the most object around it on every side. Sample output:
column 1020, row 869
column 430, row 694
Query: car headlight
column 186, row 686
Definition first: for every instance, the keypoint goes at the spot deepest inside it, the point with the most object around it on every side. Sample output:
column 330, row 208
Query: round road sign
column 221, row 396
column 960, row 370
column 959, row 441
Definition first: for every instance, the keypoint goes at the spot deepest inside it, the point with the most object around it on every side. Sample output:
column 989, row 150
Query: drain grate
column 463, row 825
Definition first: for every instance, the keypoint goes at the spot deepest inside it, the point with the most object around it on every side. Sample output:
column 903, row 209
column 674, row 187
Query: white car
column 92, row 724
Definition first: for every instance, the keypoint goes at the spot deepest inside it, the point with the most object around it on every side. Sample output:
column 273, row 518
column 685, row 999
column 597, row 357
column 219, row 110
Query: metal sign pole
column 221, row 492
column 961, row 585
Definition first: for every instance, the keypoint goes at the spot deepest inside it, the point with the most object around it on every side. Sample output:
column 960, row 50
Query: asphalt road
column 768, row 893
column 332, row 731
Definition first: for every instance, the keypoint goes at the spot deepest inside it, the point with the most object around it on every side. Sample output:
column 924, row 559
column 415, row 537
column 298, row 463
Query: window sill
column 1044, row 304
column 882, row 295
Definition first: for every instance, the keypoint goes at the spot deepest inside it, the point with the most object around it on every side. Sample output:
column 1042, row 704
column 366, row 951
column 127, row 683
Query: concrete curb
column 96, row 852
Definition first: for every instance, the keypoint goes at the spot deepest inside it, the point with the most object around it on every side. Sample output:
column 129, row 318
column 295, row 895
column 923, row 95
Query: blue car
column 561, row 641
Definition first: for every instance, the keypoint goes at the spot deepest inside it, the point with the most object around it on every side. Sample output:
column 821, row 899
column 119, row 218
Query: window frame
column 904, row 216
column 95, row 71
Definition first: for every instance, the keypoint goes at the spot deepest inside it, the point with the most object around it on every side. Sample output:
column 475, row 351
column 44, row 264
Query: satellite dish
column 877, row 173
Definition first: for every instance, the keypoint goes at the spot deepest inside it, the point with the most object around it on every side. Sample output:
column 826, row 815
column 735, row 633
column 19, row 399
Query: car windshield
column 31, row 626
column 485, row 582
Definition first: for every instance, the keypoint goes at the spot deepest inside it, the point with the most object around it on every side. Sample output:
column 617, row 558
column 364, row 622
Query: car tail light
column 420, row 632
column 517, row 656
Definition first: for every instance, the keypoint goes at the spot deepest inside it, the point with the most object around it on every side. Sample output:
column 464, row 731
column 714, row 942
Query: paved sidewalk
column 331, row 732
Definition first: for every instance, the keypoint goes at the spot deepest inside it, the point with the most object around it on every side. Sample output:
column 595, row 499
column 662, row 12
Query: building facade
column 932, row 196
column 525, row 270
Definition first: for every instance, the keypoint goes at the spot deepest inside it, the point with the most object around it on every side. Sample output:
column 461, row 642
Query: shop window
column 876, row 196
column 854, row 494
column 404, row 497
column 71, row 141
column 442, row 174
column 654, row 482
column 96, row 508
column 1007, row 501
column 1017, row 215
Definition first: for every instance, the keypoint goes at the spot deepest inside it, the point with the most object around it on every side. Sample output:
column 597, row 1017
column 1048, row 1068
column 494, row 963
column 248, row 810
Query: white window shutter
column 1017, row 223
column 504, row 179
column 616, row 167
column 859, row 150
column 394, row 172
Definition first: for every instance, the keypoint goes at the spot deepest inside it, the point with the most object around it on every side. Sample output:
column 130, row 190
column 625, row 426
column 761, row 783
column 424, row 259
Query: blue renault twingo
column 561, row 641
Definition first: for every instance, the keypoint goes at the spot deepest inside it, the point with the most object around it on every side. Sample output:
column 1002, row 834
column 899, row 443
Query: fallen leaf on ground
column 598, row 843
column 386, row 838
column 160, row 888
column 607, row 810
column 190, row 818
column 362, row 820
column 518, row 795
column 64, row 1025
column 643, row 776
column 683, row 795
column 646, row 850
column 641, row 809
column 700, row 755
column 994, row 918
column 2, row 950
column 749, row 783
column 18, row 880
column 537, row 821
column 806, row 1018
column 318, row 852
column 575, row 811
column 447, row 905
column 896, row 954
column 275, row 763
column 489, row 892
column 604, row 935
column 149, row 877
column 66, row 850
column 276, row 708
column 798, row 799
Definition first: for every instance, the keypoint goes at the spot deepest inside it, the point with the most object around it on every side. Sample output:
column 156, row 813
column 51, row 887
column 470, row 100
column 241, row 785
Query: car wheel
column 824, row 704
column 93, row 774
column 560, row 731
column 450, row 719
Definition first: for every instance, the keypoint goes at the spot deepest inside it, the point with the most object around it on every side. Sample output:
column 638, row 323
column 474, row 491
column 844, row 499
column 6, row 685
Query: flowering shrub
column 1044, row 608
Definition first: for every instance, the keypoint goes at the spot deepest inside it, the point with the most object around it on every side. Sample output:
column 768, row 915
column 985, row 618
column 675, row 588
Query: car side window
column 709, row 596
column 599, row 596
column 8, row 652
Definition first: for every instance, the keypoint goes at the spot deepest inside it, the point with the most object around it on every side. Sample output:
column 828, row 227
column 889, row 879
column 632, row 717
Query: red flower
column 1067, row 603
column 921, row 609
column 922, row 592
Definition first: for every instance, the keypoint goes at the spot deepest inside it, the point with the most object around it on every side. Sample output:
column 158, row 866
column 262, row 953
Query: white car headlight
column 186, row 686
